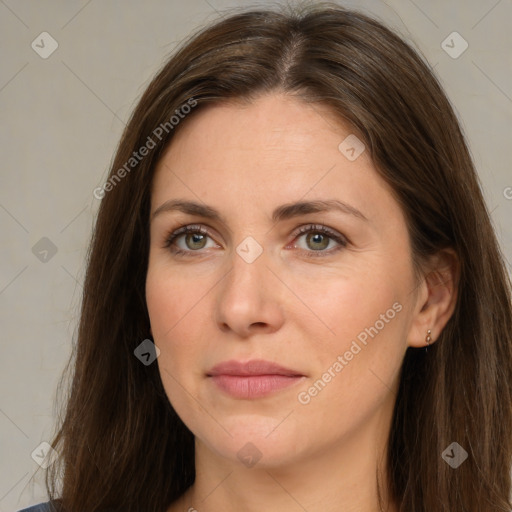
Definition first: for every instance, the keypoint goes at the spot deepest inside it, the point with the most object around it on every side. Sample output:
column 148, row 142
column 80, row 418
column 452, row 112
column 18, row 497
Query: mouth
column 252, row 379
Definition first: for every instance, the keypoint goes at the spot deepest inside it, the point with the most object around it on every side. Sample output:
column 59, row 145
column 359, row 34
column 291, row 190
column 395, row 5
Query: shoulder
column 42, row 507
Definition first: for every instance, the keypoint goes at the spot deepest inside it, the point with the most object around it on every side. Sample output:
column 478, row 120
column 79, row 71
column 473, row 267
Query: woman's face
column 334, row 307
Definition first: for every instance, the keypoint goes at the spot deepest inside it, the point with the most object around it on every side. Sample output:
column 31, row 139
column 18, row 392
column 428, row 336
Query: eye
column 318, row 238
column 194, row 237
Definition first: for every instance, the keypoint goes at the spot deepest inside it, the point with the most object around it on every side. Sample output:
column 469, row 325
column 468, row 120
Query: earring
column 428, row 338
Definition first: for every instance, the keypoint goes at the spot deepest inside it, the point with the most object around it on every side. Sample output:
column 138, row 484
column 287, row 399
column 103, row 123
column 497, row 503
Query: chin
column 255, row 442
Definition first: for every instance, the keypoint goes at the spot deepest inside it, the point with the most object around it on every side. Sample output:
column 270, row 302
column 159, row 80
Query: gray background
column 62, row 118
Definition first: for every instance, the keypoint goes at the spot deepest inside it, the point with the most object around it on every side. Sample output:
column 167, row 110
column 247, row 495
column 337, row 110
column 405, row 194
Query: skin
column 302, row 312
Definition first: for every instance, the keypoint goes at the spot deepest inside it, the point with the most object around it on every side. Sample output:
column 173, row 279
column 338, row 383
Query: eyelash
column 310, row 228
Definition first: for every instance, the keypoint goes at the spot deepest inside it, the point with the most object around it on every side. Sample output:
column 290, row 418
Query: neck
column 339, row 478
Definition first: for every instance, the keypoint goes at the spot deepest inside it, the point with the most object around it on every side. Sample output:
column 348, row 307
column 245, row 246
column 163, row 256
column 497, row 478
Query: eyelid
column 188, row 228
column 321, row 228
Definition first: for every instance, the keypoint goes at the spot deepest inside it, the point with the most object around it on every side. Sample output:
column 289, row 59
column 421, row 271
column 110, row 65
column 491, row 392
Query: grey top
column 42, row 507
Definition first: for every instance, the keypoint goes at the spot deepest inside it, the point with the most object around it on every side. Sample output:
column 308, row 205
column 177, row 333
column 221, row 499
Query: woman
column 294, row 298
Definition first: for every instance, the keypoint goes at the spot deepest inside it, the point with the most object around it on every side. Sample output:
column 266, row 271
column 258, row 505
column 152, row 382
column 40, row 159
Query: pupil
column 197, row 238
column 318, row 238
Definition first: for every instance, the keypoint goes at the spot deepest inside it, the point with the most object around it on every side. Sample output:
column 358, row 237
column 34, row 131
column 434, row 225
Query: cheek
column 357, row 358
column 170, row 299
column 174, row 310
column 173, row 306
column 338, row 306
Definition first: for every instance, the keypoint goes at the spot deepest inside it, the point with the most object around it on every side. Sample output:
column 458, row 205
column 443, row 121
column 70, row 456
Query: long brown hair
column 122, row 447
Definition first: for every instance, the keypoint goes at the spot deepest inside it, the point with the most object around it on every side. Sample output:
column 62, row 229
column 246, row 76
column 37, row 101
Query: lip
column 252, row 379
column 253, row 367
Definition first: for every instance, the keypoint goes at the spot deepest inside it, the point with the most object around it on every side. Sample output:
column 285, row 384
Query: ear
column 436, row 298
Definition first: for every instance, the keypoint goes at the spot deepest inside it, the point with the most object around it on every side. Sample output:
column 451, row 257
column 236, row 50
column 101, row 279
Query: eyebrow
column 283, row 212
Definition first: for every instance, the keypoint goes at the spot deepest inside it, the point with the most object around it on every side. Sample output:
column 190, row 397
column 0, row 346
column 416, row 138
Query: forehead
column 275, row 149
column 273, row 122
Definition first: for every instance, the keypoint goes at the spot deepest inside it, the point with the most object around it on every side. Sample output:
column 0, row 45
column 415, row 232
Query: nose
column 249, row 299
